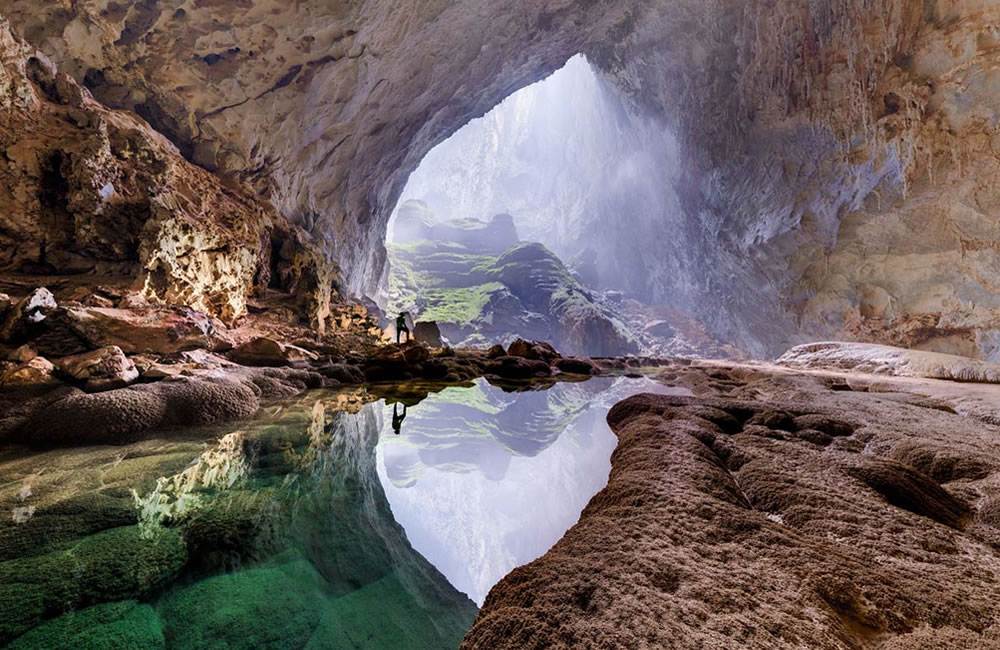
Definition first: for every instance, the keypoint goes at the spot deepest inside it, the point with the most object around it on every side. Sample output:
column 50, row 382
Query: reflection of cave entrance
column 534, row 221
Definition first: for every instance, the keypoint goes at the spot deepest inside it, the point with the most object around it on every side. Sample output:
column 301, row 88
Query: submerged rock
column 123, row 624
column 116, row 564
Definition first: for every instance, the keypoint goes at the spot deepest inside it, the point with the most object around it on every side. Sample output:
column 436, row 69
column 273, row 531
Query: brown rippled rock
column 120, row 415
column 102, row 369
column 793, row 523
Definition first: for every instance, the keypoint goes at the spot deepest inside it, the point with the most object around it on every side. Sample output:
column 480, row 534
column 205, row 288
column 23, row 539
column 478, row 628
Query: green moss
column 459, row 306
column 533, row 273
column 360, row 615
column 273, row 607
column 235, row 527
column 56, row 526
column 115, row 564
column 111, row 626
column 141, row 472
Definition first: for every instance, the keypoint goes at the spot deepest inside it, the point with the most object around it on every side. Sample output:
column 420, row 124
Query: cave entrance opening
column 535, row 220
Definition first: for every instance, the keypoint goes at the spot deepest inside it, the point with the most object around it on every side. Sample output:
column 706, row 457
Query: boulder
column 160, row 330
column 427, row 332
column 263, row 351
column 577, row 366
column 23, row 354
column 511, row 367
column 37, row 372
column 25, row 315
column 102, row 369
column 661, row 329
column 414, row 352
column 537, row 350
column 344, row 373
column 495, row 352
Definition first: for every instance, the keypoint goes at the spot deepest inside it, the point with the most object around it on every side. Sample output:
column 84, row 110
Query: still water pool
column 338, row 519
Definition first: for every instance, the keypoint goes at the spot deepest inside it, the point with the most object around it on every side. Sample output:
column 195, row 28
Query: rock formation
column 482, row 286
column 92, row 191
column 233, row 542
column 774, row 510
column 187, row 178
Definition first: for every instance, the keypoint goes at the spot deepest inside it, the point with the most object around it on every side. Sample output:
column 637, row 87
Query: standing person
column 401, row 327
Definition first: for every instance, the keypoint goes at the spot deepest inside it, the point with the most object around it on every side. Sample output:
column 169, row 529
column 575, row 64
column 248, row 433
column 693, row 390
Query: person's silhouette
column 397, row 418
column 401, row 327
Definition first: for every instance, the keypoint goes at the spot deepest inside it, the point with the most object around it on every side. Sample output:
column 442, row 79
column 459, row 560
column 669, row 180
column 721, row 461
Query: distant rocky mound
column 416, row 222
column 482, row 286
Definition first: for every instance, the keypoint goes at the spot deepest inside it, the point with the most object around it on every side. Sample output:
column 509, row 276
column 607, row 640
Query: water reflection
column 276, row 534
column 484, row 481
column 286, row 531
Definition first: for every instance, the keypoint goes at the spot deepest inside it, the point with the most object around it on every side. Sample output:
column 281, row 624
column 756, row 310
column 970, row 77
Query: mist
column 576, row 170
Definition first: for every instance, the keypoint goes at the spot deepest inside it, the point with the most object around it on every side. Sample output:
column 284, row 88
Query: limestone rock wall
column 87, row 190
column 838, row 154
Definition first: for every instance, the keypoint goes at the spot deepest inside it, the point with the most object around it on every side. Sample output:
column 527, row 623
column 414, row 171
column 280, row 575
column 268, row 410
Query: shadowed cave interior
column 624, row 324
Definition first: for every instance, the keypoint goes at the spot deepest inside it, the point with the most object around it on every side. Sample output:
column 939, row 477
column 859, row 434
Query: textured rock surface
column 36, row 372
column 811, row 516
column 268, row 352
column 428, row 333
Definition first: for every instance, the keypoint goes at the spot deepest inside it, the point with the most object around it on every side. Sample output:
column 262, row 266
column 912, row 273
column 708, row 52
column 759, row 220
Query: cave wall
column 98, row 193
column 839, row 154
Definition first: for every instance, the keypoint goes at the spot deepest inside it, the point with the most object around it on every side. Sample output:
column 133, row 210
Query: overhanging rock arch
column 803, row 127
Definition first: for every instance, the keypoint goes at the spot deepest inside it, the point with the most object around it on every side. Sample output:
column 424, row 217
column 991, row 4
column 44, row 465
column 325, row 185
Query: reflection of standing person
column 401, row 327
column 397, row 419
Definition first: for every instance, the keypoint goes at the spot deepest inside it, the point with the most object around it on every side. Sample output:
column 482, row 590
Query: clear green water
column 317, row 525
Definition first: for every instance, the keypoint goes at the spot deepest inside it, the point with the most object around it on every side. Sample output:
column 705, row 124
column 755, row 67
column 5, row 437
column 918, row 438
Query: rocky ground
column 846, row 498
column 108, row 366
column 778, row 508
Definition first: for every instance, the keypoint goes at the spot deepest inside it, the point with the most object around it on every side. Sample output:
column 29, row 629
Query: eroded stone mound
column 888, row 360
column 771, row 524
